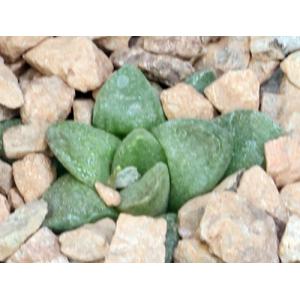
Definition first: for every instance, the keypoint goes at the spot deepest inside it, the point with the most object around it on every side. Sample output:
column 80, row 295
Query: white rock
column 83, row 110
column 110, row 196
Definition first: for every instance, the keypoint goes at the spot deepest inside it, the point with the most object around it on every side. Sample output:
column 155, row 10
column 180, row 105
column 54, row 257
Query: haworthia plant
column 72, row 204
column 201, row 79
column 127, row 101
column 198, row 153
column 139, row 149
column 149, row 195
column 250, row 130
column 86, row 152
column 172, row 236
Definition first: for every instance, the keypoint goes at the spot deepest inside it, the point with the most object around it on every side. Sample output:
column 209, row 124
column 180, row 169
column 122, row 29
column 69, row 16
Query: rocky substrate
column 150, row 149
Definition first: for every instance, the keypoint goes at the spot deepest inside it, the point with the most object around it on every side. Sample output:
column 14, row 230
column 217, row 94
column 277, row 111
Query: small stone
column 163, row 68
column 42, row 247
column 4, row 208
column 234, row 90
column 126, row 177
column 289, row 89
column 201, row 79
column 11, row 94
column 181, row 46
column 88, row 243
column 14, row 198
column 263, row 69
column 283, row 159
column 6, row 113
column 236, row 231
column 182, row 101
column 259, row 188
column 6, row 180
column 109, row 196
column 290, row 195
column 33, row 175
column 4, row 125
column 190, row 215
column 12, row 47
column 289, row 248
column 29, row 76
column 21, row 140
column 193, row 251
column 83, row 110
column 138, row 240
column 291, row 67
column 19, row 226
column 112, row 43
column 230, row 183
column 271, row 104
column 77, row 60
column 47, row 99
column 230, row 53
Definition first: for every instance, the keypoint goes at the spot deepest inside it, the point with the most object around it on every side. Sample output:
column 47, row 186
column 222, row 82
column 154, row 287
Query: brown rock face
column 291, row 67
column 182, row 46
column 230, row 53
column 138, row 240
column 163, row 68
column 10, row 93
column 236, row 231
column 193, row 251
column 110, row 196
column 6, row 180
column 289, row 249
column 290, row 195
column 112, row 43
column 12, row 47
column 48, row 99
column 183, row 102
column 234, row 90
column 14, row 198
column 83, row 110
column 263, row 69
column 4, row 208
column 89, row 243
column 21, row 140
column 42, row 247
column 77, row 60
column 283, row 159
column 259, row 188
column 33, row 175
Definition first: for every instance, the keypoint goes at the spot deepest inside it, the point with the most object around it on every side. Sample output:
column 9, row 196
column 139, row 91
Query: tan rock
column 110, row 196
column 182, row 46
column 193, row 251
column 42, row 247
column 236, row 231
column 138, row 240
column 231, row 182
column 265, row 48
column 12, row 47
column 89, row 243
column 83, row 110
column 182, row 101
column 27, row 77
column 18, row 67
column 230, row 53
column 271, row 104
column 190, row 215
column 47, row 99
column 6, row 179
column 20, row 225
column 10, row 93
column 289, row 249
column 163, row 68
column 6, row 113
column 14, row 198
column 289, row 89
column 263, row 69
column 33, row 175
column 4, row 208
column 21, row 140
column 259, row 188
column 112, row 43
column 291, row 67
column 77, row 60
column 234, row 90
column 290, row 195
column 283, row 159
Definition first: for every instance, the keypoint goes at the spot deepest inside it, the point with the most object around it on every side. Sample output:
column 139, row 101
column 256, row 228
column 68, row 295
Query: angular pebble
column 230, row 183
column 83, row 110
column 14, row 198
column 4, row 208
column 126, row 177
column 33, row 175
column 112, row 43
column 19, row 226
column 109, row 196
column 291, row 67
column 238, row 232
column 6, row 179
column 89, row 243
column 290, row 196
column 263, row 69
column 138, row 240
column 288, row 88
